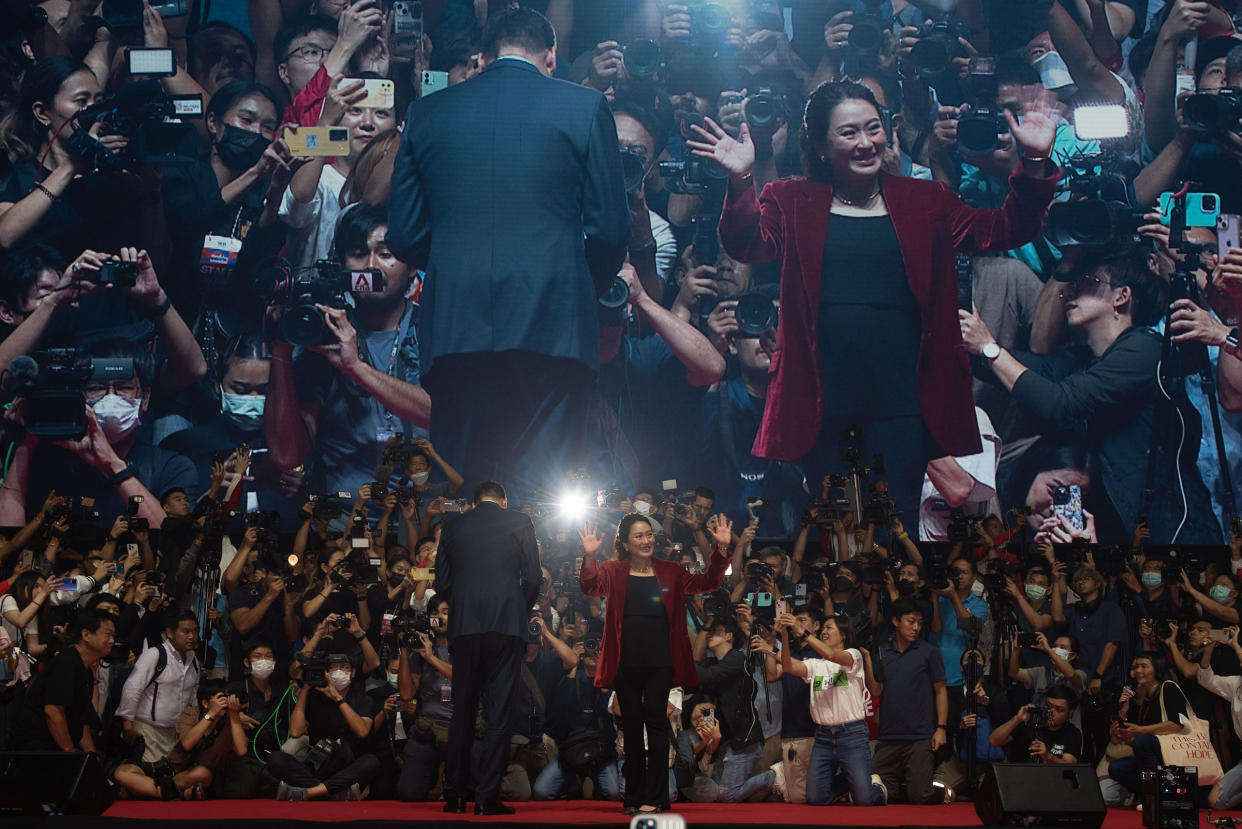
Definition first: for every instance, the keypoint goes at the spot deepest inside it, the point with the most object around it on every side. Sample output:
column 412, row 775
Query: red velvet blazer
column 789, row 221
column 611, row 579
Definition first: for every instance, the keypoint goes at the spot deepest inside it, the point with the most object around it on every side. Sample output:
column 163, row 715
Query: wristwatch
column 991, row 351
column 208, row 717
column 1233, row 337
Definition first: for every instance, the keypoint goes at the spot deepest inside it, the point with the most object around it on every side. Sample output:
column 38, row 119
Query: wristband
column 306, row 515
column 158, row 311
column 904, row 535
column 340, row 702
column 39, row 186
column 940, row 726
column 117, row 478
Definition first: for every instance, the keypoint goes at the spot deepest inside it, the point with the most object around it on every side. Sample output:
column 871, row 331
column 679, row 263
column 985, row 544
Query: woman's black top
column 1148, row 712
column 97, row 211
column 869, row 324
column 644, row 628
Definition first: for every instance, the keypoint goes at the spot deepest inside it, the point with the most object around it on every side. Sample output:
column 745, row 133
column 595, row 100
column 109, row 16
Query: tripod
column 1177, row 360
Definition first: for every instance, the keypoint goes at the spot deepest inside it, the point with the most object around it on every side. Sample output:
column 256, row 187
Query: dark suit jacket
column 789, row 221
column 508, row 191
column 488, row 569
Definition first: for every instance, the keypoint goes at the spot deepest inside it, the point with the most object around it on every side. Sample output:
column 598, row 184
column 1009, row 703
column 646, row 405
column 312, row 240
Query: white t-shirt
column 836, row 691
column 934, row 510
column 312, row 226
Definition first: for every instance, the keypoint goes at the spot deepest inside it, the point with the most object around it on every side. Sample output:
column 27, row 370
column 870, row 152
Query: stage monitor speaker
column 52, row 783
column 1055, row 795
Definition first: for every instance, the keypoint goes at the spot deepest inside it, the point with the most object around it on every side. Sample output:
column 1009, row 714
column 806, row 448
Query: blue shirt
column 908, row 704
column 951, row 640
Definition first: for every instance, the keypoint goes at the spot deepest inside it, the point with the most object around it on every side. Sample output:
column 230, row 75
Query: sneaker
column 293, row 794
column 778, row 784
column 354, row 792
column 948, row 791
column 875, row 780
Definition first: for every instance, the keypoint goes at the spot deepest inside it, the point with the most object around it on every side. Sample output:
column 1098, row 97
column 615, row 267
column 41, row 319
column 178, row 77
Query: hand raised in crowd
column 975, row 333
column 735, row 155
column 343, row 355
column 837, row 31
column 591, row 540
column 720, row 529
column 675, row 25
column 340, row 99
column 359, row 22
column 217, row 705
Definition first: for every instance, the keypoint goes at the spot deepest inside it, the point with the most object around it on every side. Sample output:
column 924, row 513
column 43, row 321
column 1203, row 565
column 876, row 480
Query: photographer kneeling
column 1042, row 735
column 336, row 716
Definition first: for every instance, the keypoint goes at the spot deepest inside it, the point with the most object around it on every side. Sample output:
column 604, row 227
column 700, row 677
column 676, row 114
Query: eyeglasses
column 1073, row 289
column 309, row 53
column 125, row 388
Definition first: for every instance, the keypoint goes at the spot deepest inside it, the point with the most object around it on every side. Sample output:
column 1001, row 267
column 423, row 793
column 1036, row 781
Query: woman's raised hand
column 735, row 155
column 591, row 540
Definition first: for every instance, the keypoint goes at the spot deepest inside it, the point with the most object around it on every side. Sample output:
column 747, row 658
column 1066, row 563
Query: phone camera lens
column 1209, row 203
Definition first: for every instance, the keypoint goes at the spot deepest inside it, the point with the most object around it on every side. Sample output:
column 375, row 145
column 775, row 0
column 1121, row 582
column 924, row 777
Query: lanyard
column 402, row 327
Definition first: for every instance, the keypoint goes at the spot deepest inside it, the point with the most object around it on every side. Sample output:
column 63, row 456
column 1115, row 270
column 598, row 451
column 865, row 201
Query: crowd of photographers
column 216, row 449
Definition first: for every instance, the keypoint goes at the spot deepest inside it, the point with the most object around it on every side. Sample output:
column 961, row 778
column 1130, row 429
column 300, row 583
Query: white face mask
column 1061, row 652
column 642, row 508
column 340, row 679
column 420, row 478
column 245, row 411
column 117, row 415
column 262, row 668
column 392, row 680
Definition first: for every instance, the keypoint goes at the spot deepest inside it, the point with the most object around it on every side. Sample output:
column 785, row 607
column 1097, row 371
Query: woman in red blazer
column 646, row 647
column 869, row 332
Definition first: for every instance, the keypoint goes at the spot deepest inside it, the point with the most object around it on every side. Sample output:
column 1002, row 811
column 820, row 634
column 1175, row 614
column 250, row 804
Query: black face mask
column 240, row 149
column 905, row 587
column 395, row 579
column 842, row 584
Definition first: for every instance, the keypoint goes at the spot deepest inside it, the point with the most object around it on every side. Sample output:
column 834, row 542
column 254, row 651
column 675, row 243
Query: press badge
column 219, row 256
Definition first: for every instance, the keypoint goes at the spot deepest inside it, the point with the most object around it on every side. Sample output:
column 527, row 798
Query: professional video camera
column 719, row 605
column 1215, row 115
column 302, row 323
column 315, row 669
column 328, row 507
column 691, row 175
column 119, row 15
column 962, row 526
column 148, row 117
column 880, row 509
column 1100, row 210
column 980, row 130
column 266, row 524
column 50, row 383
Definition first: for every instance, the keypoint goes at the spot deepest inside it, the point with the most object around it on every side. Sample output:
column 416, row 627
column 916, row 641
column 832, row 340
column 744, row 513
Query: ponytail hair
column 21, row 135
column 623, row 531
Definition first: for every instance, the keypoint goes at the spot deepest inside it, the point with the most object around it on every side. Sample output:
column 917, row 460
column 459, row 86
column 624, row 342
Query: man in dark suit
column 508, row 192
column 488, row 569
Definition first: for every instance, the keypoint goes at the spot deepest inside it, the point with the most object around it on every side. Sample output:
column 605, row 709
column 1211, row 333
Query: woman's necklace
column 860, row 203
column 636, row 572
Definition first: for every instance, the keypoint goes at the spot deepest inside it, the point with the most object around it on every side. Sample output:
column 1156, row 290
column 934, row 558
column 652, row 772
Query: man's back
column 488, row 566
column 508, row 189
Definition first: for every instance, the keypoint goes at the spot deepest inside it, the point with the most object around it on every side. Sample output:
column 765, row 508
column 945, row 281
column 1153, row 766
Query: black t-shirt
column 68, row 683
column 1065, row 740
column 1148, row 712
column 644, row 630
column 577, row 705
column 324, row 719
column 271, row 627
column 864, row 291
column 271, row 724
column 96, row 211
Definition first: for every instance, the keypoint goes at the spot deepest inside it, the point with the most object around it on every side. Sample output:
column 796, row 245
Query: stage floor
column 571, row 813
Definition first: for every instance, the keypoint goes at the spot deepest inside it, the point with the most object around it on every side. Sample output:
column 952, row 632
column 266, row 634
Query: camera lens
column 756, row 314
column 303, row 325
column 642, row 59
column 1209, row 203
column 866, row 36
column 633, row 170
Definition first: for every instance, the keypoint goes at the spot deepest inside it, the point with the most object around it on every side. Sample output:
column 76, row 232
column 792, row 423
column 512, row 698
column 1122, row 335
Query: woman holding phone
column 838, row 709
column 645, row 649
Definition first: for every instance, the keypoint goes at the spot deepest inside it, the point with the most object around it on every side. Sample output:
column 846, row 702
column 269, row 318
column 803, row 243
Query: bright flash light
column 573, row 505
column 293, row 560
column 1100, row 123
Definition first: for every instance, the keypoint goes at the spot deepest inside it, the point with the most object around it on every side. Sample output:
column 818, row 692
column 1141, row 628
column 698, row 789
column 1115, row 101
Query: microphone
column 23, row 370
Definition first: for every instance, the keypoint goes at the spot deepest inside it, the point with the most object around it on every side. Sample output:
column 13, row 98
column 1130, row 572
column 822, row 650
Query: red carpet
column 577, row 813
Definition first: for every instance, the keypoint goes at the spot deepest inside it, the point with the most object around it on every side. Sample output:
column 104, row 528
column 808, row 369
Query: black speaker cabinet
column 1057, row 795
column 52, row 783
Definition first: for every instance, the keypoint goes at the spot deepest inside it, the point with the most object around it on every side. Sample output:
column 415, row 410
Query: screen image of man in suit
column 488, row 569
column 508, row 192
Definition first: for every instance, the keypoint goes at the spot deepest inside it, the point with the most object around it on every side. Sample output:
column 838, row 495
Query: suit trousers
column 515, row 417
column 486, row 666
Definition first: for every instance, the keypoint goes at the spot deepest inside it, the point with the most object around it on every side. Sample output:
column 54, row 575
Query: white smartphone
column 657, row 822
column 381, row 92
column 1227, row 233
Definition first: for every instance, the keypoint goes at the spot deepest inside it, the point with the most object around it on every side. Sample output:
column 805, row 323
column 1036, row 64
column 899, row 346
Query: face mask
column 1219, row 593
column 262, row 668
column 642, row 508
column 1061, row 652
column 240, row 149
column 905, row 587
column 392, row 680
column 842, row 584
column 245, row 411
column 395, row 579
column 1055, row 75
column 339, row 679
column 420, row 478
column 117, row 415
column 1152, row 580
column 1035, row 593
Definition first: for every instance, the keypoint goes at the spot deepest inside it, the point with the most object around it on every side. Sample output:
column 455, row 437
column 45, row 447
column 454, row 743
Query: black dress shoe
column 493, row 808
column 455, row 805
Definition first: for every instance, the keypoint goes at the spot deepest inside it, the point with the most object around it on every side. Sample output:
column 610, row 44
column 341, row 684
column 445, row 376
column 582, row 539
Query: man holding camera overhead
column 518, row 237
column 342, row 398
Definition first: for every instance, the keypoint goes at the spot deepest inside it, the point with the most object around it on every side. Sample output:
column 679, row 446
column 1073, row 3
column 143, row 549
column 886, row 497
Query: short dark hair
column 815, row 612
column 455, row 49
column 1012, row 67
column 519, row 27
column 489, row 489
column 208, row 688
column 175, row 619
column 256, row 642
column 89, row 619
column 818, row 115
column 97, row 599
column 1233, row 65
column 234, row 91
column 1127, row 266
column 19, row 271
column 728, row 626
column 1063, row 692
column 655, row 126
column 705, row 492
column 434, row 603
column 168, row 493
column 297, row 27
column 904, row 607
column 355, row 225
column 194, row 41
